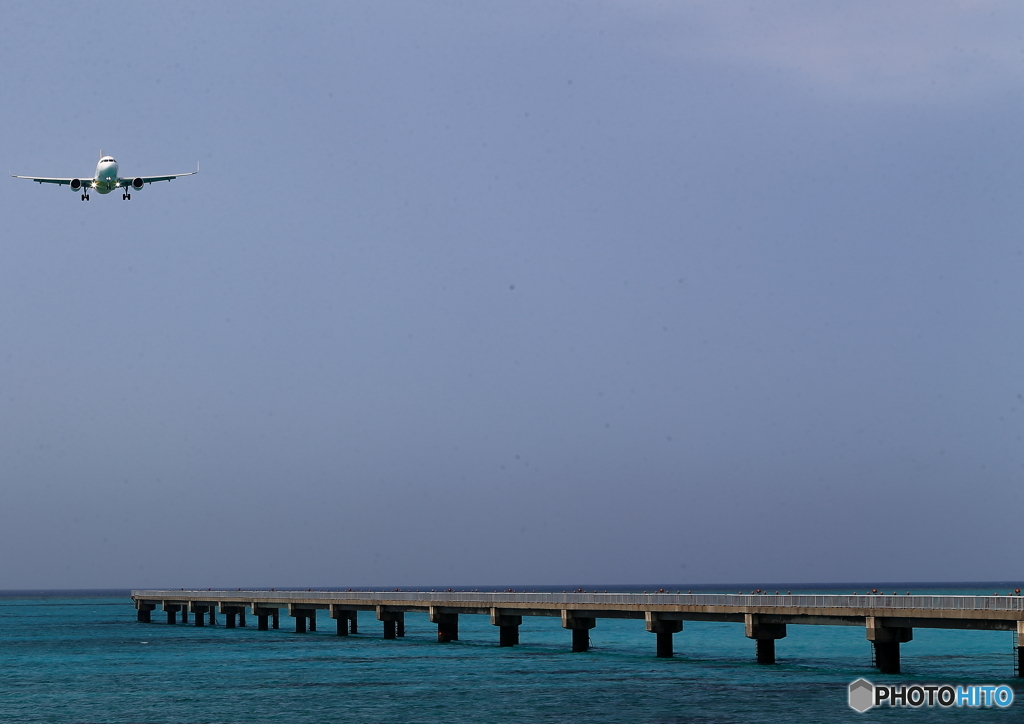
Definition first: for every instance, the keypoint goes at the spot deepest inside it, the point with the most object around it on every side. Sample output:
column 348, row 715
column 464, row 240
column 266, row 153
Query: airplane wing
column 153, row 179
column 51, row 180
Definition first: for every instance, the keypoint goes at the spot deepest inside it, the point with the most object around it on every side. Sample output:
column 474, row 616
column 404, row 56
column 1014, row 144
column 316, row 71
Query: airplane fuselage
column 105, row 180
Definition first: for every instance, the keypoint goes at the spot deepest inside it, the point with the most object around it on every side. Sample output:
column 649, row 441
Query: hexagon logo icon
column 862, row 695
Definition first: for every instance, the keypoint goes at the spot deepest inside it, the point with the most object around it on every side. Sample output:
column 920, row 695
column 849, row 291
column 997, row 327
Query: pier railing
column 958, row 603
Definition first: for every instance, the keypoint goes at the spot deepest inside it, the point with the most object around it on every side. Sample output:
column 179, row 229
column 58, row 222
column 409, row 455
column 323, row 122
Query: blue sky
column 512, row 293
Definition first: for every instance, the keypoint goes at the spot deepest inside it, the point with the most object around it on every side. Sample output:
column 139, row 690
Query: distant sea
column 80, row 657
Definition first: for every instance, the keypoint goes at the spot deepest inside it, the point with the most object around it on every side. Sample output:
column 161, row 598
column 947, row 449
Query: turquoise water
column 86, row 659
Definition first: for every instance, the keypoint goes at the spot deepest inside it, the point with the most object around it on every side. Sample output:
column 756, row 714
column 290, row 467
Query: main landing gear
column 126, row 196
column 85, row 197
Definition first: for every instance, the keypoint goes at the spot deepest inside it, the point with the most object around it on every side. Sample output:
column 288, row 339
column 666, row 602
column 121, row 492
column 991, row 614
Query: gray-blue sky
column 514, row 292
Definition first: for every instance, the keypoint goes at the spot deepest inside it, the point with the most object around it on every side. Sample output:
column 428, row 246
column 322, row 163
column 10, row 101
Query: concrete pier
column 765, row 633
column 1020, row 648
column 199, row 609
column 580, row 627
column 886, row 640
column 263, row 615
column 447, row 624
column 344, row 616
column 390, row 620
column 663, row 625
column 144, row 612
column 232, row 614
column 305, row 615
column 888, row 620
column 765, row 651
column 508, row 627
column 508, row 636
column 580, row 640
column 171, row 609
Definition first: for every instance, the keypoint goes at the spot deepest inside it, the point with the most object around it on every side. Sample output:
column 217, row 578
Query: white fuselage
column 105, row 180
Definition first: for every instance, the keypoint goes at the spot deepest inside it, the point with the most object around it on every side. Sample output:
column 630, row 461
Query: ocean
column 78, row 658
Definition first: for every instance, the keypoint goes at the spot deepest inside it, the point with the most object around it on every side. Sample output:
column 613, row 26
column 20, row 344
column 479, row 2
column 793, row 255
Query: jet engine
column 137, row 183
column 76, row 184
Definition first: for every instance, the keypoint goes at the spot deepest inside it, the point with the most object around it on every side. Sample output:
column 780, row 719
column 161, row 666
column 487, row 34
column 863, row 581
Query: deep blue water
column 85, row 659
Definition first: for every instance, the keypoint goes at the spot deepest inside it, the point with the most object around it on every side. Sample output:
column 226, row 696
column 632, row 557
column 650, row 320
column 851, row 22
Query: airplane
column 106, row 180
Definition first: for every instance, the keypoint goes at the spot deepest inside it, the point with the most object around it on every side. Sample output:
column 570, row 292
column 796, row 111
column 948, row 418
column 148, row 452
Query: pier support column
column 231, row 612
column 390, row 620
column 400, row 624
column 580, row 640
column 354, row 621
column 301, row 615
column 508, row 636
column 241, row 618
column 263, row 616
column 508, row 627
column 765, row 634
column 765, row 651
column 342, row 617
column 887, row 640
column 198, row 613
column 184, row 614
column 580, row 627
column 1020, row 648
column 144, row 612
column 275, row 619
column 663, row 628
column 172, row 612
column 447, row 624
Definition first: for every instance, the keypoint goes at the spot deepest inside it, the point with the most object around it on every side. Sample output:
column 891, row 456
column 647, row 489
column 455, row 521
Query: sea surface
column 84, row 658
